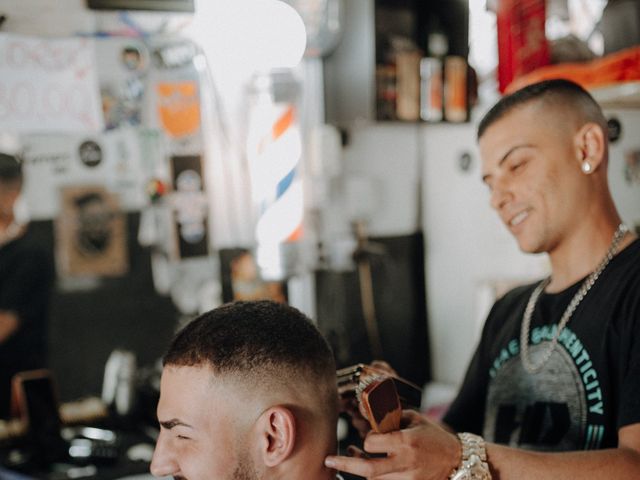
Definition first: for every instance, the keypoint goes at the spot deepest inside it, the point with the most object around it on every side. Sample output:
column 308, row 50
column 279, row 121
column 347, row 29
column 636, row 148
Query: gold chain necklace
column 527, row 363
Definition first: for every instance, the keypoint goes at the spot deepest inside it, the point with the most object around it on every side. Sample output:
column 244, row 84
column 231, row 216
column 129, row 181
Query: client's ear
column 277, row 432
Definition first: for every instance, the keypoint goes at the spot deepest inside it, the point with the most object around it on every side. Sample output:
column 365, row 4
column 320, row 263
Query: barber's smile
column 517, row 219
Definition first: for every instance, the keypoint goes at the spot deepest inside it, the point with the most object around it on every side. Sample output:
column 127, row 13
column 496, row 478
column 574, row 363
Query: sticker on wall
column 112, row 159
column 614, row 129
column 632, row 167
column 175, row 54
column 90, row 153
column 465, row 162
column 190, row 206
column 132, row 58
column 179, row 107
column 90, row 234
column 122, row 104
column 122, row 74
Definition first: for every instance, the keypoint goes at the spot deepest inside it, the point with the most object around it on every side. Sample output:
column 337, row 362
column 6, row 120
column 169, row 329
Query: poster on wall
column 179, row 108
column 90, row 234
column 632, row 167
column 174, row 94
column 122, row 73
column 48, row 85
column 190, row 206
column 241, row 278
column 112, row 159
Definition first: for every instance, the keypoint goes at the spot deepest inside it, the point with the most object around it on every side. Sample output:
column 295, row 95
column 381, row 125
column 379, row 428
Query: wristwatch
column 474, row 459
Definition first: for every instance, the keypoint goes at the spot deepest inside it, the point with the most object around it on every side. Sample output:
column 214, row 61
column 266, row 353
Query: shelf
column 621, row 95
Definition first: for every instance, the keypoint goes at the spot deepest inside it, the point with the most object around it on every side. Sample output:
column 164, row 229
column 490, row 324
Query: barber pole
column 274, row 150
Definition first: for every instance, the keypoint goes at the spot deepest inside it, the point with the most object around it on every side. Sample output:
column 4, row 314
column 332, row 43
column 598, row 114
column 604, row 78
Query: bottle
column 455, row 89
column 431, row 89
column 431, row 74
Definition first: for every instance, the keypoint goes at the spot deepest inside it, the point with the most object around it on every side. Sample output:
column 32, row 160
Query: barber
column 553, row 389
column 26, row 274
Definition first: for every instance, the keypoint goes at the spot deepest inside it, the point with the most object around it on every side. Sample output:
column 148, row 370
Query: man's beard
column 245, row 469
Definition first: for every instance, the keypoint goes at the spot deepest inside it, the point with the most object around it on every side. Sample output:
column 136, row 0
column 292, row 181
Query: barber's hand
column 421, row 451
column 8, row 324
column 350, row 405
column 384, row 366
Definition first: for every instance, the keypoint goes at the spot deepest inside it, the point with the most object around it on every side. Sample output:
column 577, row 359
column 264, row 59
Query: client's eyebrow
column 174, row 422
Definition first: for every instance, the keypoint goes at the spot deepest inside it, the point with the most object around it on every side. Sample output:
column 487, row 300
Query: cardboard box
column 522, row 44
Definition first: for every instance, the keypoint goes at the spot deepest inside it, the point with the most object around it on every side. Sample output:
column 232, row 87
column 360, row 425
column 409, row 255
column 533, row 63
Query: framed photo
column 90, row 233
column 241, row 278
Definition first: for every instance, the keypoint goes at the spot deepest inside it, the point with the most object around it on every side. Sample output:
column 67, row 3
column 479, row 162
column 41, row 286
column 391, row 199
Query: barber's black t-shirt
column 26, row 278
column 589, row 387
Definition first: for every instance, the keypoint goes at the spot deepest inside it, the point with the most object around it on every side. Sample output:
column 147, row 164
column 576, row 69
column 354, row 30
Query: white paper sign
column 112, row 159
column 48, row 85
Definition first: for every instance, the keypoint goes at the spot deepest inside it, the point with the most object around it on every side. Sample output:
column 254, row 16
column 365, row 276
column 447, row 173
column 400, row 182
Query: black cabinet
column 364, row 69
column 400, row 305
column 417, row 20
column 408, row 88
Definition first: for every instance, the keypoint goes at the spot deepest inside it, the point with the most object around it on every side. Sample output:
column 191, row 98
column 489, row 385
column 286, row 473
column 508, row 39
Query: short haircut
column 555, row 93
column 10, row 168
column 262, row 342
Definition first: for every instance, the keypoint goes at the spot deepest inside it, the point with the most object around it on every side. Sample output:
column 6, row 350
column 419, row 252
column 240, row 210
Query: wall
column 470, row 256
column 350, row 69
column 407, row 177
column 400, row 178
column 382, row 177
column 380, row 186
column 91, row 318
column 77, row 327
column 469, row 252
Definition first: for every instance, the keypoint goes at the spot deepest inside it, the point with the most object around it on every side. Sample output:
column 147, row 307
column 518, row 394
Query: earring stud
column 586, row 167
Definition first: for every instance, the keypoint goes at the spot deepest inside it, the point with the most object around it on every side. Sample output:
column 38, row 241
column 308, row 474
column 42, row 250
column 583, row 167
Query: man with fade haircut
column 248, row 392
column 553, row 390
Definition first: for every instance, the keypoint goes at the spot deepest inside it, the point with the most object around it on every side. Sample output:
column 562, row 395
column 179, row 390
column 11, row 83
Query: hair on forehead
column 570, row 97
column 253, row 339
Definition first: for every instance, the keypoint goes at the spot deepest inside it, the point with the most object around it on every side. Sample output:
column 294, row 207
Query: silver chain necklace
column 528, row 364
